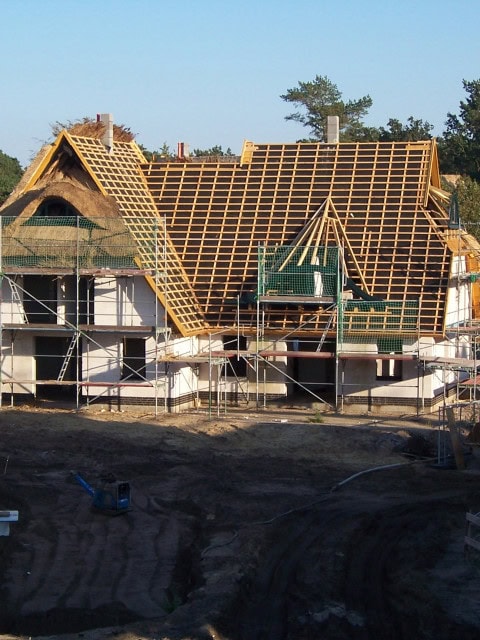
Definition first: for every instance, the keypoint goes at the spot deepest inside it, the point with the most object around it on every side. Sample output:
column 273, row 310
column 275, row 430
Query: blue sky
column 211, row 72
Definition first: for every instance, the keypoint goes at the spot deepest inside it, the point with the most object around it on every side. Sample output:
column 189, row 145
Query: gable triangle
column 323, row 229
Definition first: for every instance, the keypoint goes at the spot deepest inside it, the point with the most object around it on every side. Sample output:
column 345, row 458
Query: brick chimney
column 182, row 150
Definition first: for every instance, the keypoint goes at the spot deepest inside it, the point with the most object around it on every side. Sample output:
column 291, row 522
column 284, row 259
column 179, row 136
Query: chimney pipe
column 107, row 120
column 333, row 129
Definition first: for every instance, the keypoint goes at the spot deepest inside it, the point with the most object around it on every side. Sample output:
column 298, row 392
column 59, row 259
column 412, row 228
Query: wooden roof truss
column 323, row 225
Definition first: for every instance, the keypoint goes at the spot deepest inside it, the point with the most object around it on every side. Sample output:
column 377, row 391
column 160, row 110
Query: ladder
column 68, row 357
column 17, row 299
column 322, row 340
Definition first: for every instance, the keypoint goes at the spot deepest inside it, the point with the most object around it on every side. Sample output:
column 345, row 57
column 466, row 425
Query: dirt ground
column 252, row 525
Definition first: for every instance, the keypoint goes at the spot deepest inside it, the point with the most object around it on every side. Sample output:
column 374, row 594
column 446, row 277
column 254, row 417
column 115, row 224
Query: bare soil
column 252, row 525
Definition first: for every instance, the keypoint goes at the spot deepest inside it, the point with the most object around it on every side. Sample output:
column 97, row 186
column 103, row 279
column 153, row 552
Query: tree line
column 314, row 101
column 458, row 146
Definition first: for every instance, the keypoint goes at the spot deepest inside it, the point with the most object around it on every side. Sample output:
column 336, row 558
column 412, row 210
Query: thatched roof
column 37, row 242
column 97, row 233
column 88, row 203
column 27, row 174
column 95, row 181
column 92, row 129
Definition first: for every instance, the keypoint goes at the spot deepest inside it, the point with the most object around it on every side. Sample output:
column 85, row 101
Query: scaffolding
column 64, row 255
column 464, row 332
column 326, row 324
column 312, row 279
column 49, row 267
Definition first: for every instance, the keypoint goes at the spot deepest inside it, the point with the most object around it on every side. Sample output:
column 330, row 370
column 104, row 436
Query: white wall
column 211, row 380
column 272, row 371
column 11, row 309
column 17, row 362
column 182, row 378
column 458, row 306
column 358, row 377
column 126, row 301
column 102, row 362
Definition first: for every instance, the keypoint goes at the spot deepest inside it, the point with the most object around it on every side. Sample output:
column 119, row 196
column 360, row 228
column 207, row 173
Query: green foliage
column 216, row 150
column 164, row 153
column 10, row 174
column 321, row 98
column 468, row 195
column 412, row 131
column 317, row 418
column 460, row 146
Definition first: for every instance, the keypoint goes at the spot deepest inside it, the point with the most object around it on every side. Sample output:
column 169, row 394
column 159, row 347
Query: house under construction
column 335, row 270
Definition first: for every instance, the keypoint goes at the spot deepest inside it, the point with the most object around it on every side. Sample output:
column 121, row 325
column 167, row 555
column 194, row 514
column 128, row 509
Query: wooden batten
column 373, row 206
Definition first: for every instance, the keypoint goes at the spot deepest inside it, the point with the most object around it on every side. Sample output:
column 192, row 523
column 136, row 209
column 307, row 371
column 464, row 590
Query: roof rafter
column 317, row 232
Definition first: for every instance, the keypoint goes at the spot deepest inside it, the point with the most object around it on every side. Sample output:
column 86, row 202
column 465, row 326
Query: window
column 40, row 299
column 134, row 359
column 54, row 207
column 86, row 300
column 389, row 369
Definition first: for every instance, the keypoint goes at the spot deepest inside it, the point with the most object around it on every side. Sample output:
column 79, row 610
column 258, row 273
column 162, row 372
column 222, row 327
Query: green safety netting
column 298, row 271
column 67, row 242
column 387, row 324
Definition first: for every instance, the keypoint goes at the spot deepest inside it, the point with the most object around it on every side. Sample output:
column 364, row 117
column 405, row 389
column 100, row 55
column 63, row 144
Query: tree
column 460, row 144
column 164, row 153
column 411, row 131
column 321, row 98
column 10, row 174
column 216, row 150
column 467, row 193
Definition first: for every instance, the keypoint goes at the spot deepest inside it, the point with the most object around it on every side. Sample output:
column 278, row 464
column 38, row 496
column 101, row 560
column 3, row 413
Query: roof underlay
column 369, row 198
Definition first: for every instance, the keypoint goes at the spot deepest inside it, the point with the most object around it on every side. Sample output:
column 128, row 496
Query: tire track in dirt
column 366, row 586
column 388, row 585
column 265, row 615
column 115, row 568
column 291, row 577
column 99, row 564
column 359, row 596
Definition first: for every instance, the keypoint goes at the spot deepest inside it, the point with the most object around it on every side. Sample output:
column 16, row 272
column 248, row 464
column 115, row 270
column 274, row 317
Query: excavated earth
column 250, row 525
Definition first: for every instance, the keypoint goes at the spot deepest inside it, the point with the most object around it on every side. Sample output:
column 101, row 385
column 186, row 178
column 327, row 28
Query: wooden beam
column 455, row 439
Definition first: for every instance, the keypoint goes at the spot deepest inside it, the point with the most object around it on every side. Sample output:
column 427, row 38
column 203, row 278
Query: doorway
column 50, row 355
column 313, row 374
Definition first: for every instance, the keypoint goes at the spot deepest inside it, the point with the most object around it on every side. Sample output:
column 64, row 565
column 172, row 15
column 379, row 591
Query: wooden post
column 455, row 439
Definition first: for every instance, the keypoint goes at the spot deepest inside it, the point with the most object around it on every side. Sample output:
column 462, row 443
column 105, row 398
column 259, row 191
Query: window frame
column 389, row 369
column 133, row 351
